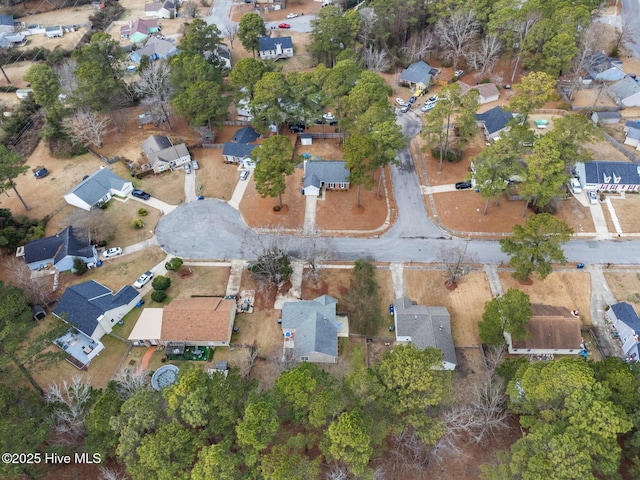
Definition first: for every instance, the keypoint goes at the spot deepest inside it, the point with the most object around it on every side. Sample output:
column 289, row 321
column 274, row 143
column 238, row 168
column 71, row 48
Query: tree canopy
column 507, row 313
column 274, row 161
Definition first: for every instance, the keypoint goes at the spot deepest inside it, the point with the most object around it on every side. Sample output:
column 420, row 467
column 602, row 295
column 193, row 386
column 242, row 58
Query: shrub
column 158, row 296
column 143, row 212
column 79, row 267
column 173, row 264
column 161, row 283
column 137, row 223
column 446, row 63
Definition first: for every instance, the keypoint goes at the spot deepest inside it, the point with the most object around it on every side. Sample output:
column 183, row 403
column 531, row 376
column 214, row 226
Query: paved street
column 630, row 19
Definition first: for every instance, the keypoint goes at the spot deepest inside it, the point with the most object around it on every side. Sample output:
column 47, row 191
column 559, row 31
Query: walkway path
column 614, row 217
column 601, row 296
column 144, row 361
column 602, row 232
column 235, row 277
column 310, row 207
column 494, row 279
column 155, row 203
column 238, row 193
column 295, row 292
column 190, row 187
column 397, row 279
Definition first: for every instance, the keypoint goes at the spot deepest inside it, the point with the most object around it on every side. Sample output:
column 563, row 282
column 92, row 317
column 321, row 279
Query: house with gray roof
column 609, row 118
column 311, row 329
column 601, row 67
column 57, row 251
column 8, row 40
column 494, row 122
column 94, row 309
column 425, row 327
column 97, row 189
column 627, row 328
column 625, row 92
column 418, row 73
column 7, row 24
column 609, row 176
column 246, row 135
column 633, row 138
column 160, row 10
column 163, row 154
column 155, row 49
column 275, row 47
column 322, row 175
column 237, row 152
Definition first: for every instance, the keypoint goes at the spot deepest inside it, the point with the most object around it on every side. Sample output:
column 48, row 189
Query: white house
column 93, row 309
column 609, row 176
column 552, row 330
column 164, row 155
column 97, row 189
column 632, row 130
column 626, row 92
column 275, row 48
column 494, row 122
column 160, row 10
column 425, row 327
column 627, row 327
column 487, row 92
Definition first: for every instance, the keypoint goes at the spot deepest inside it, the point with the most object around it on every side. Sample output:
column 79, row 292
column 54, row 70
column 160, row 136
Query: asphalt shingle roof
column 240, row 150
column 57, row 247
column 81, row 305
column 97, row 185
column 495, row 119
column 419, row 72
column 625, row 88
column 315, row 324
column 269, row 43
column 246, row 135
column 612, row 172
column 625, row 313
column 317, row 172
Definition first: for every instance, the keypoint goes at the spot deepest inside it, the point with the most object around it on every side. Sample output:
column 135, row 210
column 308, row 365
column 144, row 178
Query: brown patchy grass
column 166, row 186
column 465, row 303
column 218, row 180
column 564, row 288
column 203, row 281
column 575, row 215
column 627, row 212
column 625, row 286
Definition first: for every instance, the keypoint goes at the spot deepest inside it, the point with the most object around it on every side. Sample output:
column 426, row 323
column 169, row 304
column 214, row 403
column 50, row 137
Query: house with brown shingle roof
column 488, row 92
column 198, row 321
column 551, row 330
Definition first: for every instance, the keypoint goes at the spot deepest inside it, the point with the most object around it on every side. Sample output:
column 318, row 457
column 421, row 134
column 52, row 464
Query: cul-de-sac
column 320, row 239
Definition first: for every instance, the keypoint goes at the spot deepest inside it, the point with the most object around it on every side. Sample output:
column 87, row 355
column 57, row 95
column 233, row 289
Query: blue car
column 391, row 309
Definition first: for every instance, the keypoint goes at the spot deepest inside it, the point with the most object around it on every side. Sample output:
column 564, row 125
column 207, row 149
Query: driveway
column 630, row 17
column 155, row 203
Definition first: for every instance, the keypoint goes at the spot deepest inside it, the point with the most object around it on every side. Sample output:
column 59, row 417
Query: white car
column 244, row 175
column 195, row 165
column 593, row 198
column 292, row 15
column 400, row 102
column 328, row 117
column 112, row 252
column 458, row 73
column 427, row 106
column 143, row 279
column 187, row 168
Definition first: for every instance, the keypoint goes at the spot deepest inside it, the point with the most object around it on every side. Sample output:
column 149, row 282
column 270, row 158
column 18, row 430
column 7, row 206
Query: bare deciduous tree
column 315, row 250
column 408, row 452
column 38, row 289
column 456, row 34
column 230, row 31
column 190, row 9
column 129, row 382
column 272, row 264
column 155, row 87
column 69, row 405
column 95, row 225
column 484, row 54
column 87, row 127
column 375, row 60
column 418, row 46
column 588, row 44
column 368, row 20
column 107, row 473
column 337, row 472
column 66, row 74
column 454, row 260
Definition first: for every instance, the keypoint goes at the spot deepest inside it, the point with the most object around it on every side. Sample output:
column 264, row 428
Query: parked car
column 41, row 173
column 195, row 165
column 463, row 185
column 244, row 175
column 593, row 197
column 433, row 99
column 299, row 128
column 141, row 194
column 507, row 87
column 143, row 279
column 458, row 73
column 284, row 25
column 187, row 168
column 400, row 102
column 292, row 15
column 405, row 109
column 427, row 106
column 112, row 252
column 328, row 117
column 412, row 100
column 575, row 185
column 320, row 121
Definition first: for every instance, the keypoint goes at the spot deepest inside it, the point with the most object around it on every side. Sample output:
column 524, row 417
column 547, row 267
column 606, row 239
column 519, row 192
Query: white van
column 575, row 185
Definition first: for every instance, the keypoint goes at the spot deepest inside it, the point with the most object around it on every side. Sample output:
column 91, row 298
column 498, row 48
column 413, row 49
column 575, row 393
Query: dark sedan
column 141, row 194
column 463, row 185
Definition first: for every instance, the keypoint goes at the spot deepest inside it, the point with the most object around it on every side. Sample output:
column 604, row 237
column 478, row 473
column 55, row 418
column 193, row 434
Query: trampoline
column 165, row 376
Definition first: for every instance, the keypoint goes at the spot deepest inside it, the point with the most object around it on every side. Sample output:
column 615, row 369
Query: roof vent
column 607, row 179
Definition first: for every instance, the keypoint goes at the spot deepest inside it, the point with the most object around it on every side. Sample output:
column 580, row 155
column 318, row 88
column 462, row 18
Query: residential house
column 418, row 75
column 58, row 251
column 488, row 92
column 609, row 118
column 275, row 47
column 195, row 321
column 311, row 329
column 425, row 327
column 625, row 92
column 603, row 68
column 224, row 54
column 631, row 125
column 632, row 129
column 609, row 176
column 8, row 40
column 163, row 155
column 627, row 328
column 322, row 175
column 494, row 122
column 7, row 24
column 551, row 330
column 139, row 30
column 93, row 309
column 155, row 49
column 97, row 189
column 53, row 32
column 160, row 10
column 246, row 135
column 237, row 152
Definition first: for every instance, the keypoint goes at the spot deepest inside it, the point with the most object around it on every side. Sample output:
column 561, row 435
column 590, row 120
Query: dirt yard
column 625, row 285
column 562, row 288
column 214, row 178
column 626, row 208
column 465, row 303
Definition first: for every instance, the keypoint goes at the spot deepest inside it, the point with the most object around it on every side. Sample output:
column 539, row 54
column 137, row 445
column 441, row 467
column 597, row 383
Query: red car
column 284, row 25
